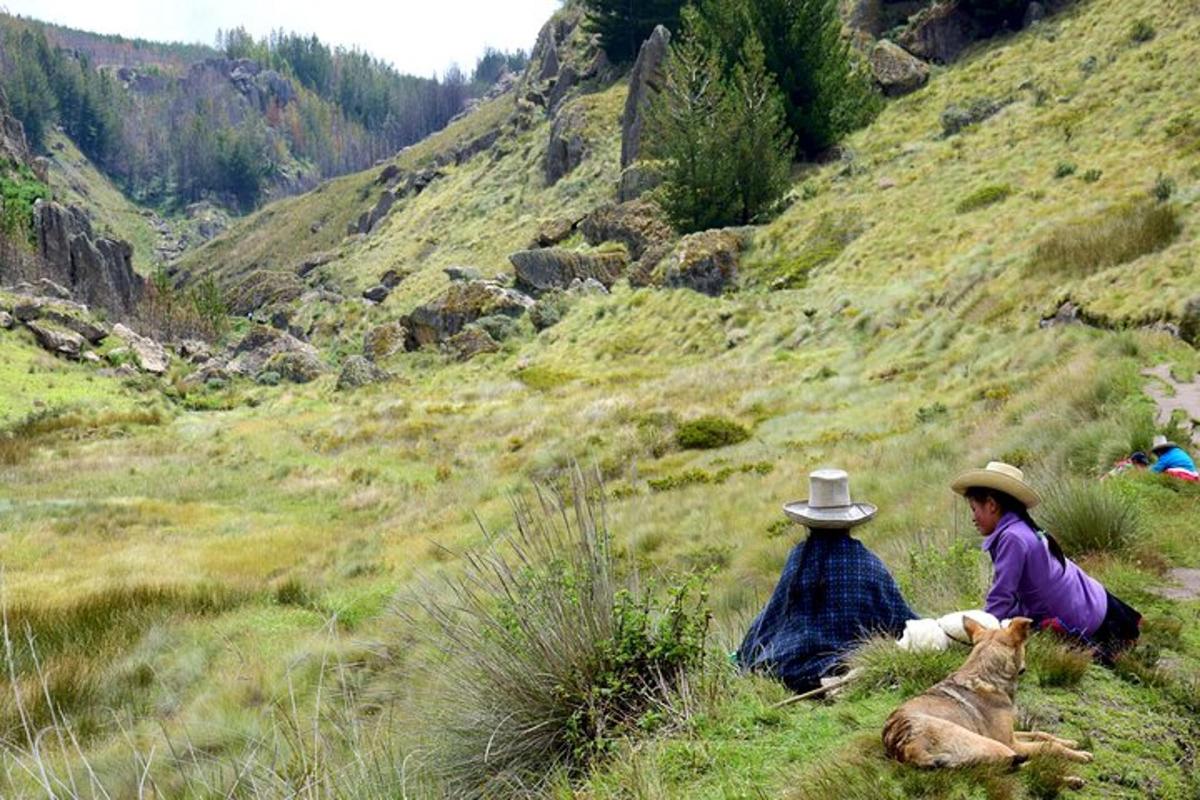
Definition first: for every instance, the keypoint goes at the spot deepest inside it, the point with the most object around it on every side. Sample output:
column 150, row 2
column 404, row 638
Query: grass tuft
column 1056, row 663
column 1089, row 517
column 1117, row 235
column 707, row 433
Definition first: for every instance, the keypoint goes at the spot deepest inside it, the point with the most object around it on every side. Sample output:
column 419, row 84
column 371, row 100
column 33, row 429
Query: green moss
column 984, row 197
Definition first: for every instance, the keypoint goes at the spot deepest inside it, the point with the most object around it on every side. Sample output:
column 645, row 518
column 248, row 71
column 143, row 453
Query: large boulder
column 567, row 146
column 369, row 220
column 57, row 340
column 643, row 82
column 554, row 231
column 638, row 224
column 470, row 342
column 250, row 356
column 384, row 341
column 941, row 32
column 554, row 268
column 896, row 70
column 459, row 305
column 296, row 366
column 149, row 354
column 357, row 372
column 63, row 314
column 706, row 262
column 98, row 270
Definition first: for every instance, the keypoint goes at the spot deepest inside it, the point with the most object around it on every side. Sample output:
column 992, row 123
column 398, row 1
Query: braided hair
column 1010, row 504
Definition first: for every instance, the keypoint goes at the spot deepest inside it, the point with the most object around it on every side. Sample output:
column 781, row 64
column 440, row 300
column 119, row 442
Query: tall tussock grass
column 551, row 651
column 1114, row 236
column 1089, row 517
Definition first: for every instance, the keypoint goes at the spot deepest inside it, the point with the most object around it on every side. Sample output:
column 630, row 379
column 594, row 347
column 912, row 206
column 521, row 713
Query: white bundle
column 936, row 634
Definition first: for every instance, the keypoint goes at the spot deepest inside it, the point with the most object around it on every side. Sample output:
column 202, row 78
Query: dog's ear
column 973, row 628
column 1018, row 629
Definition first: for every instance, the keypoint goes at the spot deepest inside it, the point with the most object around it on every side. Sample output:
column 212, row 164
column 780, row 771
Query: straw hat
column 828, row 504
column 1160, row 444
column 1001, row 477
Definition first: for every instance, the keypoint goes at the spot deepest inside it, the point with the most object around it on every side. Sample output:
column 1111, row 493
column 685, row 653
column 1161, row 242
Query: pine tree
column 624, row 24
column 686, row 123
column 825, row 94
column 760, row 145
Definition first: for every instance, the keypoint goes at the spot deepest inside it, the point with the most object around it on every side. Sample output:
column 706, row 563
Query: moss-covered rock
column 470, row 342
column 706, row 262
column 357, row 371
column 383, row 341
column 638, row 224
column 460, row 305
column 554, row 268
column 296, row 366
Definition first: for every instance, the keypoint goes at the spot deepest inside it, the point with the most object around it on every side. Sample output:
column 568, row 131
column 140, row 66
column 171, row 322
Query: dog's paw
column 1082, row 756
column 1074, row 782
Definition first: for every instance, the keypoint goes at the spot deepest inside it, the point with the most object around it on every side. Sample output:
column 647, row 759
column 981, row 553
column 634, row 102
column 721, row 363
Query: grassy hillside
column 275, row 532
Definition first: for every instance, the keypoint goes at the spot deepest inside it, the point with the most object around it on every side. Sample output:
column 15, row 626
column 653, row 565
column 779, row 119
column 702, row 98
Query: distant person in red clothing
column 1173, row 460
column 1032, row 577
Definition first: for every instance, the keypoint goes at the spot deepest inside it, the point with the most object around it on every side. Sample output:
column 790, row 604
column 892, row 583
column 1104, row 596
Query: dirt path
column 1171, row 395
column 1182, row 584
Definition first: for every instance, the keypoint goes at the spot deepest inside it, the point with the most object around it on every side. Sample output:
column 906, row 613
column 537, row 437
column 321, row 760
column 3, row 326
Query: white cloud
column 418, row 37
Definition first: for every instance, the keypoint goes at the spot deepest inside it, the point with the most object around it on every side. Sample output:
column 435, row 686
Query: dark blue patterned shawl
column 833, row 592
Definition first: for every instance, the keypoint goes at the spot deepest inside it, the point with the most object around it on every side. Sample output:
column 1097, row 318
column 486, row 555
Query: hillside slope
column 279, row 526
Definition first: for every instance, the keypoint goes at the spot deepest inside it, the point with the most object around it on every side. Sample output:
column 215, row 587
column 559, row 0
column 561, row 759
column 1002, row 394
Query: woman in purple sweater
column 1033, row 578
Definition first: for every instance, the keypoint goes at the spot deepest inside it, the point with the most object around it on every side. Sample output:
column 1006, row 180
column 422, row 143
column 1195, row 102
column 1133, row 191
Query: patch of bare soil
column 1182, row 584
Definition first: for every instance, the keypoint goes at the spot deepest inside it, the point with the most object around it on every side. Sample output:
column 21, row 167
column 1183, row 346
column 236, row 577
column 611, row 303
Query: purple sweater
column 1029, row 581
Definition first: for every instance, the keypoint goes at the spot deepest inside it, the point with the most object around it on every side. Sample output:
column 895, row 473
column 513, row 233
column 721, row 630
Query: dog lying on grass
column 967, row 719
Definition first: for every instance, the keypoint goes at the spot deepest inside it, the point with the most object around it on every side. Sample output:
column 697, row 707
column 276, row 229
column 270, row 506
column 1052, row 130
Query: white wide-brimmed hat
column 1001, row 477
column 1160, row 443
column 828, row 504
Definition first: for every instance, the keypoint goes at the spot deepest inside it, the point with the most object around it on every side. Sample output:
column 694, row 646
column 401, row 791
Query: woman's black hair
column 1008, row 503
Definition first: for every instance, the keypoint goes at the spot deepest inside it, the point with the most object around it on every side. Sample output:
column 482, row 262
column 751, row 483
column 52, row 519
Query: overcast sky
column 417, row 36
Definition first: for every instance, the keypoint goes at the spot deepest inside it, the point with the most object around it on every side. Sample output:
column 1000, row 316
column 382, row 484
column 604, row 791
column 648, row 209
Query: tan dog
column 968, row 718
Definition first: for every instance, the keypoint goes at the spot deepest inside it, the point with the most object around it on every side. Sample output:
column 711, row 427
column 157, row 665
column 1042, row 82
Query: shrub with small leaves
column 1141, row 31
column 1092, row 175
column 984, row 197
column 1064, row 169
column 707, row 433
column 1163, row 188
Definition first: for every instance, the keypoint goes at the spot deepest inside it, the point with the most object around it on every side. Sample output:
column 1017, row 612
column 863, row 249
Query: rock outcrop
column 643, row 81
column 384, row 341
column 149, row 354
column 250, row 356
column 296, row 366
column 471, row 342
column 896, row 70
column 460, row 305
column 98, row 270
column 567, row 147
column 706, row 262
column 358, row 372
column 553, row 268
column 638, row 224
column 941, row 32
column 57, row 340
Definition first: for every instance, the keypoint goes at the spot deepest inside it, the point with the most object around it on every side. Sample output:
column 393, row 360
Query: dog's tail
column 897, row 732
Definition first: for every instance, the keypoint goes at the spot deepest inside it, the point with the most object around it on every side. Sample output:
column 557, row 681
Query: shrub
column 932, row 412
column 1092, row 175
column 1117, row 235
column 1189, row 322
column 707, row 433
column 1142, row 30
column 551, row 651
column 984, row 197
column 1064, row 169
column 1163, row 188
column 942, row 575
column 1087, row 516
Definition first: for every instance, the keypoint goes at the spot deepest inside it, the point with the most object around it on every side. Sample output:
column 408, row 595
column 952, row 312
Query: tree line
column 184, row 133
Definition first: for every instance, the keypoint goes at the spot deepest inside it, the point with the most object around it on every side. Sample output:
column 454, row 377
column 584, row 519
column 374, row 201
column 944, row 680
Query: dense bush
column 552, row 652
column 1114, row 236
column 710, row 432
column 624, row 25
column 1090, row 517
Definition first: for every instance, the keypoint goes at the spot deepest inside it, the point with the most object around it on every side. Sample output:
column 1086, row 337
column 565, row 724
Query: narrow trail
column 1182, row 584
column 1170, row 395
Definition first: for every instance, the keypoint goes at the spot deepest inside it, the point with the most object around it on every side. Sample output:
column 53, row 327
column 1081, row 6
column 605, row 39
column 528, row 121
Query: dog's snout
column 1021, row 671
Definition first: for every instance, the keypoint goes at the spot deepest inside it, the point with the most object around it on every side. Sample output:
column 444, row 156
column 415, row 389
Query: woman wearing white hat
column 1032, row 576
column 833, row 592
